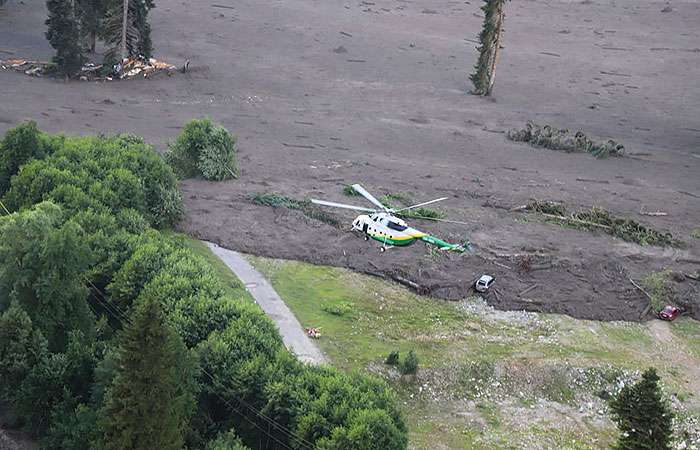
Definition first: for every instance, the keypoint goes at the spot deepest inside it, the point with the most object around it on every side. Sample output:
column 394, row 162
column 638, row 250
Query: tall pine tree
column 91, row 14
column 490, row 40
column 642, row 415
column 126, row 30
column 63, row 34
column 152, row 395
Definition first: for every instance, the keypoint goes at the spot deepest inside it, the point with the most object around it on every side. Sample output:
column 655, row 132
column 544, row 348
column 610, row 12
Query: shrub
column 204, row 149
column 409, row 365
column 337, row 309
column 393, row 358
column 350, row 191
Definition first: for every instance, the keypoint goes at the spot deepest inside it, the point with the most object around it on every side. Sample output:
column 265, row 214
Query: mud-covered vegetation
column 596, row 218
column 109, row 327
column 562, row 139
column 304, row 206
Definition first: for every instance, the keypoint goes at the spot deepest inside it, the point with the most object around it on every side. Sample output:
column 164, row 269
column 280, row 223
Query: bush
column 393, row 358
column 409, row 365
column 337, row 309
column 204, row 149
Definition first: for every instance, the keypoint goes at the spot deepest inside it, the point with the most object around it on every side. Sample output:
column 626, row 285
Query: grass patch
column 599, row 219
column 338, row 308
column 553, row 138
column 472, row 354
column 688, row 330
column 350, row 191
column 695, row 233
column 304, row 206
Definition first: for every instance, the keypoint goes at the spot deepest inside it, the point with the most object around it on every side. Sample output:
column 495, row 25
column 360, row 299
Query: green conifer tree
column 128, row 36
column 642, row 415
column 152, row 395
column 489, row 48
column 63, row 34
column 91, row 14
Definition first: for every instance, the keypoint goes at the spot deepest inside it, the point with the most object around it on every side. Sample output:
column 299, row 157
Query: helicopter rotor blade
column 363, row 192
column 341, row 205
column 421, row 204
column 438, row 220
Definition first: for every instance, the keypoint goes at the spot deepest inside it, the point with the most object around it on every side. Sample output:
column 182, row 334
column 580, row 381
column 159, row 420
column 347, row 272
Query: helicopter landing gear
column 366, row 238
column 382, row 249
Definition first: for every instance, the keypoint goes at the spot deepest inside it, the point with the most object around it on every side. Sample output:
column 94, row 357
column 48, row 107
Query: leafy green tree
column 42, row 264
column 21, row 348
column 489, row 48
column 91, row 14
column 102, row 173
column 55, row 380
column 20, row 145
column 206, row 149
column 64, row 35
column 226, row 441
column 74, row 426
column 642, row 415
column 151, row 398
column 367, row 428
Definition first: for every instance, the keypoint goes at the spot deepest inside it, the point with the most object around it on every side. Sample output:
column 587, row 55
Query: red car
column 669, row 313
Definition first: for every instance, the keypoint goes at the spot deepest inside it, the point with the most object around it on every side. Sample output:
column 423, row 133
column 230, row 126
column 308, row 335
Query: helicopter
column 383, row 225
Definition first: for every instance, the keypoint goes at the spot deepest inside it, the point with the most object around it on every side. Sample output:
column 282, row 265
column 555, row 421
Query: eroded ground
column 323, row 93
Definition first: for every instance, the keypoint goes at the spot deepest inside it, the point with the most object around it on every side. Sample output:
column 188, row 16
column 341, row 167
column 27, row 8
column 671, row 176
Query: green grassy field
column 488, row 379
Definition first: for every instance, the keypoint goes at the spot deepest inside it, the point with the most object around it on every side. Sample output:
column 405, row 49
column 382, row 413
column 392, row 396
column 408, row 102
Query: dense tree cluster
column 114, row 335
column 73, row 27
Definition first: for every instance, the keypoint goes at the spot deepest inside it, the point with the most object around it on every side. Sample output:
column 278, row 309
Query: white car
column 484, row 283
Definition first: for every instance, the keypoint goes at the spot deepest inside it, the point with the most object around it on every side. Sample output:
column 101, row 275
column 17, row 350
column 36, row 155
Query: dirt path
column 291, row 330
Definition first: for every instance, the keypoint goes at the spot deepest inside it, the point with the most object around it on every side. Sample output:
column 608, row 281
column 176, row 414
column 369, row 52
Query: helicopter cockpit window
column 396, row 226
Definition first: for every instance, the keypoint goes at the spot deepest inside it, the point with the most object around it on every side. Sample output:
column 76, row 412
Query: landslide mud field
column 327, row 93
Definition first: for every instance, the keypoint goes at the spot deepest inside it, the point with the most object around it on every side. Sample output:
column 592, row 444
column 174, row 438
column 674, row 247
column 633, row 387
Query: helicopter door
column 364, row 227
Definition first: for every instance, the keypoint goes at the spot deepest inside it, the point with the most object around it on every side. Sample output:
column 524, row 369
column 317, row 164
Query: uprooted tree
column 489, row 48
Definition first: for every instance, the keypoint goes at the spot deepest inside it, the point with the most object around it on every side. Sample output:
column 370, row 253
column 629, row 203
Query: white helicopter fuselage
column 386, row 228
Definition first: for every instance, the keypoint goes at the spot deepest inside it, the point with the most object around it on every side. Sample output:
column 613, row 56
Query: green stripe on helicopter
column 409, row 240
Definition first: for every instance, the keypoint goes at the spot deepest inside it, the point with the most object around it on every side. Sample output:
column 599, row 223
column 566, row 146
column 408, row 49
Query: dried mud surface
column 323, row 93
